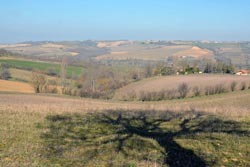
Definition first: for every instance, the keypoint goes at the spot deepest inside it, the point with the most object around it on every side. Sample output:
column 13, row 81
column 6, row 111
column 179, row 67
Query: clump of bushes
column 41, row 84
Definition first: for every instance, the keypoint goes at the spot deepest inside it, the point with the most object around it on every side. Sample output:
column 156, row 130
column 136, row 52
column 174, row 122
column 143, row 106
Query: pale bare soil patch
column 11, row 86
column 51, row 45
column 112, row 44
column 14, row 45
column 118, row 53
column 195, row 52
column 74, row 53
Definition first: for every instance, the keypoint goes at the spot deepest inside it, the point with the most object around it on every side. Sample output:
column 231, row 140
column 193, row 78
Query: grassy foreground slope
column 56, row 131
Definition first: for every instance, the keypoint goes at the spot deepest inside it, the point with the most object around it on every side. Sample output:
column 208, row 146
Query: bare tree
column 148, row 71
column 64, row 65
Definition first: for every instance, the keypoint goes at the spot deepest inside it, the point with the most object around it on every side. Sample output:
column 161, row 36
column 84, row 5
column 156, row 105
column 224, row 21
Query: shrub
column 197, row 91
column 152, row 96
column 142, row 96
column 170, row 94
column 52, row 72
column 243, row 86
column 161, row 95
column 209, row 90
column 183, row 90
column 218, row 89
column 233, row 86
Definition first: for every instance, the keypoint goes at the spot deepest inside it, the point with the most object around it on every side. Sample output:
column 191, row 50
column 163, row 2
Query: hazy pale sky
column 36, row 20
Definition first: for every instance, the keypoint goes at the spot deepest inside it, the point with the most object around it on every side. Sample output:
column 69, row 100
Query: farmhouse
column 242, row 72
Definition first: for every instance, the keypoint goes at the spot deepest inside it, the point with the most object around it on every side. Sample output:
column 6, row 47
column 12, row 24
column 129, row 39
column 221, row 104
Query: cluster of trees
column 41, row 84
column 183, row 68
column 96, row 81
column 219, row 67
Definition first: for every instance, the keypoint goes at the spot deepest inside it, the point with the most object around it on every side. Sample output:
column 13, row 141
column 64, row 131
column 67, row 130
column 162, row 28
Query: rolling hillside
column 172, row 82
column 154, row 52
column 237, row 53
column 56, row 50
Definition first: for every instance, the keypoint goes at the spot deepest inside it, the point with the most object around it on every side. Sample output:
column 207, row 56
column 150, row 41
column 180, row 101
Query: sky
column 59, row 20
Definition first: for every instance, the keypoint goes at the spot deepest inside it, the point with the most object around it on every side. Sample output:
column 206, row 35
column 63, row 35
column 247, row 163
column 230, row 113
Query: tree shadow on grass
column 114, row 138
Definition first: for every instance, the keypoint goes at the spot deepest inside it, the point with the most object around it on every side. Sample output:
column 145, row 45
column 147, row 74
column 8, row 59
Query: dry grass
column 18, row 74
column 234, row 104
column 20, row 115
column 24, row 75
column 11, row 86
column 172, row 82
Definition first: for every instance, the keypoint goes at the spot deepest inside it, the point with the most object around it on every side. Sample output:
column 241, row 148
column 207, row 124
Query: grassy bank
column 41, row 66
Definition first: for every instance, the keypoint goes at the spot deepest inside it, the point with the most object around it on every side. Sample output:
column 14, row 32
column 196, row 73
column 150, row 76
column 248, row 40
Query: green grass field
column 41, row 66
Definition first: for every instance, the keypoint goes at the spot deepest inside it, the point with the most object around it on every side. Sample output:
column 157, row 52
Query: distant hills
column 237, row 53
